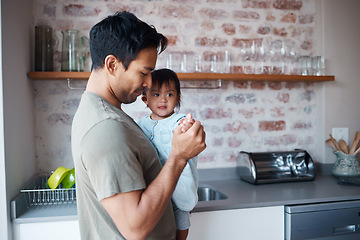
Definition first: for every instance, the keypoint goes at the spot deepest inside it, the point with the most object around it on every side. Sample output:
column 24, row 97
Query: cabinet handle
column 344, row 229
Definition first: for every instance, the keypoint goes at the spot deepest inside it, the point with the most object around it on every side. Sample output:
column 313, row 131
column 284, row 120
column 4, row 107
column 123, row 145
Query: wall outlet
column 341, row 133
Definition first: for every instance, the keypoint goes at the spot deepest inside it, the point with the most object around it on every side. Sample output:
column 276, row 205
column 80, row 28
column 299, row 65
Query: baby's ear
column 144, row 99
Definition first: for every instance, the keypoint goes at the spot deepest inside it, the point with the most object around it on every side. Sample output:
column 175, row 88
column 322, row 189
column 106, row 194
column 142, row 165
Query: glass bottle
column 43, row 48
column 74, row 51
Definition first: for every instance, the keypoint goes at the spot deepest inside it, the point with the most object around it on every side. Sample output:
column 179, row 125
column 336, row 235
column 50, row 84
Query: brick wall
column 248, row 116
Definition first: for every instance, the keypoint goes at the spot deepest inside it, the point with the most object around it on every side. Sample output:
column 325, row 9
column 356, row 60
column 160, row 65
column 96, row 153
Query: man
column 122, row 191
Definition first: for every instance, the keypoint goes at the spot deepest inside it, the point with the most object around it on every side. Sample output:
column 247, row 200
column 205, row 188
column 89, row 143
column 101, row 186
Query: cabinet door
column 250, row 223
column 49, row 230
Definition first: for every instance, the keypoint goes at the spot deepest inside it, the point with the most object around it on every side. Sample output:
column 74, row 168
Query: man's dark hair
column 124, row 36
column 166, row 76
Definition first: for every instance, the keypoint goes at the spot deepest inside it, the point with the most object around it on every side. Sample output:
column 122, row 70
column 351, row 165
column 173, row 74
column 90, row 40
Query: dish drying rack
column 38, row 193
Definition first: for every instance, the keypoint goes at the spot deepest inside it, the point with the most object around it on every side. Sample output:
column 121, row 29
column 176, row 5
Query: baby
column 162, row 99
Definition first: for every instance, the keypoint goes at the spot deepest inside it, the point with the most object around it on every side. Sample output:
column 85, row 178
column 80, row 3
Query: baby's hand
column 186, row 122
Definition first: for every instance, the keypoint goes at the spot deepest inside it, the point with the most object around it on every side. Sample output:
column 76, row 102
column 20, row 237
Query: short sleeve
column 110, row 160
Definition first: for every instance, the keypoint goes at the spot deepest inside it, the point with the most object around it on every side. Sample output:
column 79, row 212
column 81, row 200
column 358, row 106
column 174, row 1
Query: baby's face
column 162, row 101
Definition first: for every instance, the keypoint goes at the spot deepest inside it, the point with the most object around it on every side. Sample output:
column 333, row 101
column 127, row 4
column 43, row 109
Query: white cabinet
column 250, row 223
column 47, row 230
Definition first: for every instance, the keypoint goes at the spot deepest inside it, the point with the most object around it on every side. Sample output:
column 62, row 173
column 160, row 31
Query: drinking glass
column 227, row 62
column 318, row 65
column 214, row 64
column 305, row 65
column 198, row 63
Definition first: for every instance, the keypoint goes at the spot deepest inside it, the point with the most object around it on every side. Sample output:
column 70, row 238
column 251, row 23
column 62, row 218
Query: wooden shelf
column 59, row 75
column 252, row 77
column 194, row 77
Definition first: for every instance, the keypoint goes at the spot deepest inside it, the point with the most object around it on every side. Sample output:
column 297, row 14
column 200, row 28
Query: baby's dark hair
column 166, row 76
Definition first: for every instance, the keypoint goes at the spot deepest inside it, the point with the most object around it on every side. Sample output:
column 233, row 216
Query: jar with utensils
column 346, row 165
column 347, row 157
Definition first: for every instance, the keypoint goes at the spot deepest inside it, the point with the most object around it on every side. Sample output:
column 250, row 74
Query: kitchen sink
column 208, row 193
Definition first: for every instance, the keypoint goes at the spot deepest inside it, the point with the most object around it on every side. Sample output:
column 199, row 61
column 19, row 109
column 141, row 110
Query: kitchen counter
column 240, row 195
column 245, row 195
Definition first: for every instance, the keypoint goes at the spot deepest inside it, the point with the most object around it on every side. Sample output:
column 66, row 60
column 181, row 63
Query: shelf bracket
column 203, row 85
column 71, row 87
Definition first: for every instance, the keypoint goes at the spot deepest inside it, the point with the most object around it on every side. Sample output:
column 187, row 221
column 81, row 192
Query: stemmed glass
column 289, row 57
column 262, row 53
column 284, row 55
column 245, row 52
column 253, row 51
column 275, row 55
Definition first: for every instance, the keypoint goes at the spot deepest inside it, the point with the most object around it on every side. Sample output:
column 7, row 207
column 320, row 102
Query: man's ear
column 144, row 99
column 111, row 64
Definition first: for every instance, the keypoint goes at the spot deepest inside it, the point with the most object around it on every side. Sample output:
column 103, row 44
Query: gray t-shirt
column 111, row 155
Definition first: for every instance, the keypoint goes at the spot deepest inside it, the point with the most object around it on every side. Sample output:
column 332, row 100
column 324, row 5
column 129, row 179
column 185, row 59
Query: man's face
column 129, row 84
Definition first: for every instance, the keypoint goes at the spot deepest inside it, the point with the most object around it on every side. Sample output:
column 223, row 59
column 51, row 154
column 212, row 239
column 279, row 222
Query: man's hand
column 188, row 139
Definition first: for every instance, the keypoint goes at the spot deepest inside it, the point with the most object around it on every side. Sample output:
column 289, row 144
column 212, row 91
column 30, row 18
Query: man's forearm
column 136, row 213
column 157, row 195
